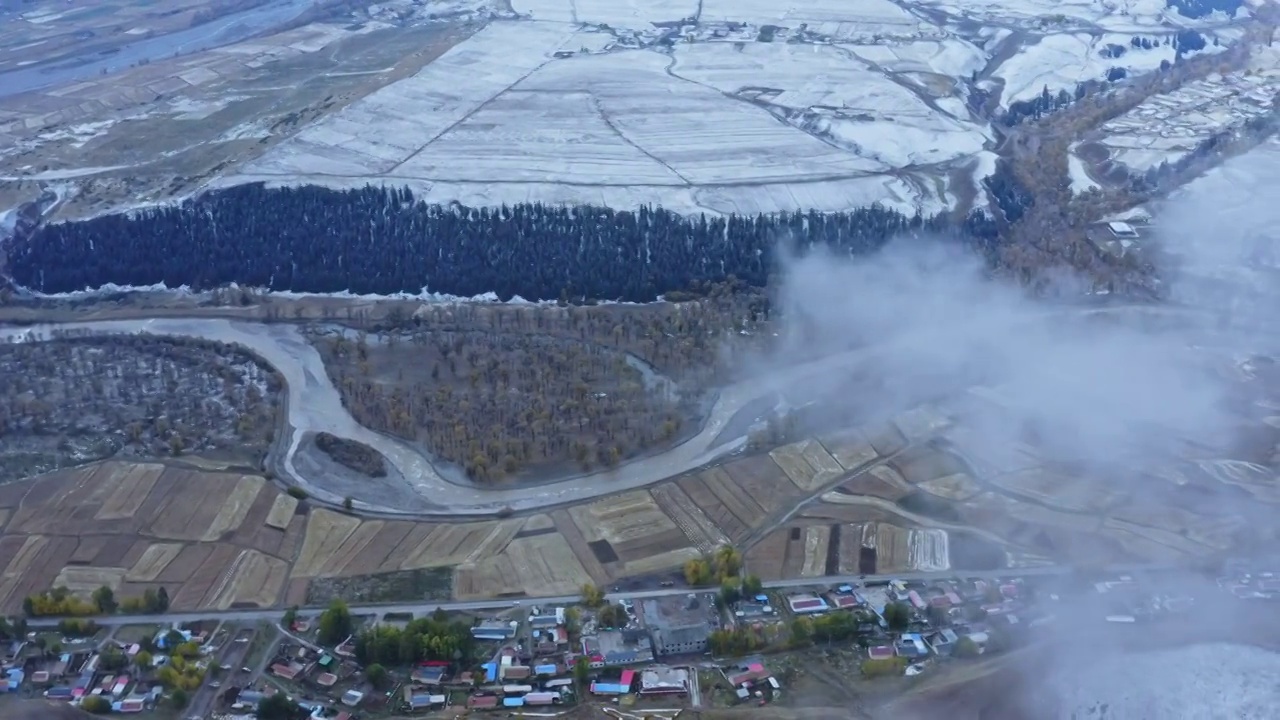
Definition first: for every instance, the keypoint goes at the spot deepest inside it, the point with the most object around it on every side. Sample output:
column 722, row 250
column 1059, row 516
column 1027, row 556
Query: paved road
column 423, row 608
column 315, row 405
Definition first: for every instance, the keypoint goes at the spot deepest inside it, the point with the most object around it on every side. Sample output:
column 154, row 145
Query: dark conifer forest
column 378, row 240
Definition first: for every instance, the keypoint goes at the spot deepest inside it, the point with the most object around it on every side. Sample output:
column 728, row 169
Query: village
column 654, row 655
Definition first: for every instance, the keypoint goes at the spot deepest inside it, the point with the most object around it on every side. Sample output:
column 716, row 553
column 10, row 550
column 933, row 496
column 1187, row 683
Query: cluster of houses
column 1249, row 583
column 76, row 676
column 942, row 614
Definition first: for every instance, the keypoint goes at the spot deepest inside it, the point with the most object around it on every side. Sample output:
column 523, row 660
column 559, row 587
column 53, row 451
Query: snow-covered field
column 1127, row 16
column 687, row 129
column 758, row 106
column 852, row 105
column 1200, row 682
column 1167, row 127
column 631, row 14
column 1081, row 182
column 836, row 19
column 1060, row 62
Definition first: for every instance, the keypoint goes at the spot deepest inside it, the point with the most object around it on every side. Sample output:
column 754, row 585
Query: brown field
column 892, row 544
column 448, row 545
column 327, row 531
column 84, row 580
column 88, row 548
column 876, row 485
column 957, row 487
column 850, row 559
column 768, row 557
column 1059, row 491
column 132, row 485
column 763, row 481
column 791, row 459
column 538, row 565
column 725, row 504
column 282, row 511
column 137, row 526
column 1172, row 540
column 921, row 423
column 21, row 559
column 685, row 513
column 568, row 529
column 817, row 538
column 885, row 438
column 920, row 464
column 153, row 562
column 194, row 593
column 620, row 518
column 234, row 508
column 256, row 580
column 850, row 448
column 887, row 474
column 538, row 522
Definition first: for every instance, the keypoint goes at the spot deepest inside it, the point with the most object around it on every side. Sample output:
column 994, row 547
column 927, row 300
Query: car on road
column 515, row 603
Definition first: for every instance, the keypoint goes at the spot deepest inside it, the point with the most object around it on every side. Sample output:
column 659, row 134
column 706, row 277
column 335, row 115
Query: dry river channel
column 314, row 405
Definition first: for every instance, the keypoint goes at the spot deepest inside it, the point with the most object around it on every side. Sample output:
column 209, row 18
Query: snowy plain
column 718, row 106
column 1200, row 682
column 1183, row 119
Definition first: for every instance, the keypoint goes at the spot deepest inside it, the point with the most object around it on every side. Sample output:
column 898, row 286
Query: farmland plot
column 817, row 538
column 282, row 511
column 255, row 580
column 763, row 481
column 412, row 113
column 686, row 514
column 878, row 119
column 327, row 531
column 956, row 487
column 539, row 565
column 850, row 448
column 135, row 484
column 235, row 508
column 153, row 562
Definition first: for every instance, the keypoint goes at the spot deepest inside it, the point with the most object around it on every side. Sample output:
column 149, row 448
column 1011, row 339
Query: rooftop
column 661, row 679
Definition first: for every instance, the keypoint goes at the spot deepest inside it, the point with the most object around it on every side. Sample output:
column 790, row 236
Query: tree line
column 377, row 240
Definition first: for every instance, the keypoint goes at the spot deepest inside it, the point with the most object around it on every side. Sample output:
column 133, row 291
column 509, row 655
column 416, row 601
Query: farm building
column 494, row 630
column 880, row 652
column 622, row 687
column 427, row 675
column 911, row 645
column 660, row 680
column 422, row 701
column 807, row 604
column 943, row 641
column 549, row 619
column 516, row 672
column 129, row 705
column 287, row 672
column 617, row 647
column 680, row 625
column 542, row 698
column 846, row 602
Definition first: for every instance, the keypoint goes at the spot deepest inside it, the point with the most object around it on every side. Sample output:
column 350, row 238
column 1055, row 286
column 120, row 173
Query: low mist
column 1120, row 390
